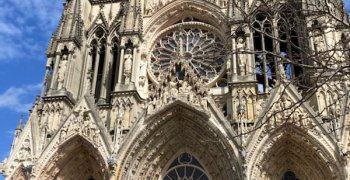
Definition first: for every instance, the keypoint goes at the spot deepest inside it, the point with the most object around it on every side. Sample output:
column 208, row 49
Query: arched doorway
column 76, row 159
column 150, row 149
column 290, row 153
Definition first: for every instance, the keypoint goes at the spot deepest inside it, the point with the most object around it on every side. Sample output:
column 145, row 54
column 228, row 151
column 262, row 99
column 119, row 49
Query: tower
column 191, row 89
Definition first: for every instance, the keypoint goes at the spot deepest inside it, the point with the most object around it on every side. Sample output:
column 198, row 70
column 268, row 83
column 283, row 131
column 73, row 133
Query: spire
column 70, row 28
column 19, row 126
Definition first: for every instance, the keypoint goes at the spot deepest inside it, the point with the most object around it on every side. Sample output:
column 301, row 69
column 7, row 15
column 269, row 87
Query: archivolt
column 160, row 137
column 175, row 11
column 75, row 159
column 290, row 148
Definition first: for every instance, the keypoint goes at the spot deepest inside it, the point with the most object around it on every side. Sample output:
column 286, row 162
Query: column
column 85, row 84
column 234, row 57
column 106, row 74
column 54, row 76
column 134, row 64
column 120, row 72
column 94, row 79
column 68, row 72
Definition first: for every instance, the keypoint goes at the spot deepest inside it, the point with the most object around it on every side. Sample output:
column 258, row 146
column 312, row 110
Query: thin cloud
column 16, row 98
column 20, row 21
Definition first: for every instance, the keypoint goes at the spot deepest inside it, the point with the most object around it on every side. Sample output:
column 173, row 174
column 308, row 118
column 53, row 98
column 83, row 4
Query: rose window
column 201, row 49
column 185, row 167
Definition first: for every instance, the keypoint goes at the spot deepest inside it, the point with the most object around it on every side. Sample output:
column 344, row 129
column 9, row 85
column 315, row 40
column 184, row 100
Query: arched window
column 185, row 166
column 98, row 53
column 265, row 64
column 276, row 43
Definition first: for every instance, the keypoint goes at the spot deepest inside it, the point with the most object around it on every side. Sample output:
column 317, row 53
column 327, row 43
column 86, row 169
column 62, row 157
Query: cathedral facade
column 191, row 89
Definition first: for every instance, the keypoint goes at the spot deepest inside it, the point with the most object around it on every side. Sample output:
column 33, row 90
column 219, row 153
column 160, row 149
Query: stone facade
column 190, row 89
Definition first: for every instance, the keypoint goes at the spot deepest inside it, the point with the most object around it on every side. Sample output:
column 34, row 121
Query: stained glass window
column 185, row 167
column 201, row 48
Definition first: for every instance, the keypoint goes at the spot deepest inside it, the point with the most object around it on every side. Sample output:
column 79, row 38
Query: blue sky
column 25, row 29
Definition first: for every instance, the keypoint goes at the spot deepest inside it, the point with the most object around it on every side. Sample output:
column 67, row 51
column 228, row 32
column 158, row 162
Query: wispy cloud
column 20, row 21
column 17, row 98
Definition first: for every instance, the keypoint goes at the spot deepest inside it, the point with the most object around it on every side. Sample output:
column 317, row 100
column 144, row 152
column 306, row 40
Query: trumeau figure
column 207, row 103
column 127, row 65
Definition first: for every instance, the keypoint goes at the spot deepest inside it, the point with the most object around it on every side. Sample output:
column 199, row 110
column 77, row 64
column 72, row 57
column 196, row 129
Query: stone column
column 54, row 76
column 47, row 81
column 120, row 72
column 68, row 72
column 86, row 85
column 134, row 64
column 105, row 75
column 97, row 62
column 234, row 58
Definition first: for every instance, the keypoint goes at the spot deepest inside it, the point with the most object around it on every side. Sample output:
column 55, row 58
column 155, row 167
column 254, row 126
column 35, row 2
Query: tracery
column 201, row 48
column 184, row 167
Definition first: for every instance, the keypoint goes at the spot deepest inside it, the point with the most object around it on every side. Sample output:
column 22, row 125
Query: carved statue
column 127, row 66
column 61, row 72
column 63, row 134
column 282, row 73
column 241, row 57
column 143, row 70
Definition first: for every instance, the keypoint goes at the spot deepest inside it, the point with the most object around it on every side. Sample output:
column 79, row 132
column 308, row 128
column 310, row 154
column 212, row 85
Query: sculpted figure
column 63, row 133
column 282, row 72
column 241, row 56
column 127, row 65
column 61, row 72
column 173, row 88
column 150, row 6
column 143, row 70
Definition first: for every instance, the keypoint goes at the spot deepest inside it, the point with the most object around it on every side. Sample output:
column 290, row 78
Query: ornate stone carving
column 127, row 65
column 62, row 71
column 83, row 125
column 143, row 70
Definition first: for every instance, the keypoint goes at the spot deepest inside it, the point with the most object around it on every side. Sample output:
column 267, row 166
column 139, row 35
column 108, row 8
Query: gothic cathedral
column 191, row 90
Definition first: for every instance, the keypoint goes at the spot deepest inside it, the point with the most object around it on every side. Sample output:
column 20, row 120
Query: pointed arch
column 205, row 12
column 77, row 158
column 154, row 141
column 290, row 148
column 19, row 174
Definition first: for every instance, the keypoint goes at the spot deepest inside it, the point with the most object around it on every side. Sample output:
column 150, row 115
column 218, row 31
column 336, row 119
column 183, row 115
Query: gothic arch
column 154, row 141
column 290, row 148
column 77, row 158
column 19, row 173
column 175, row 11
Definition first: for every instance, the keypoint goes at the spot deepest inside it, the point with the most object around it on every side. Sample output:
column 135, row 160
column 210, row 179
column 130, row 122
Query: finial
column 19, row 126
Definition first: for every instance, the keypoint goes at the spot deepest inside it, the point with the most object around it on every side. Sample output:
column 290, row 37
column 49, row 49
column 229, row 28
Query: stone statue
column 143, row 70
column 61, row 72
column 127, row 66
column 241, row 57
column 282, row 72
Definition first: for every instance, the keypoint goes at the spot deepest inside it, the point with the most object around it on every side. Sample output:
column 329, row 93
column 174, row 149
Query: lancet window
column 98, row 53
column 276, row 43
column 186, row 166
column 115, row 63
